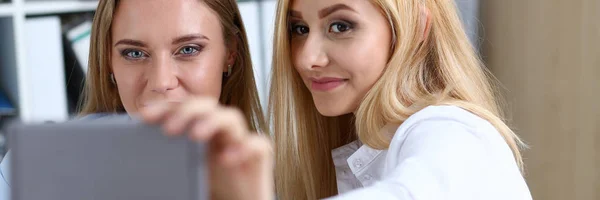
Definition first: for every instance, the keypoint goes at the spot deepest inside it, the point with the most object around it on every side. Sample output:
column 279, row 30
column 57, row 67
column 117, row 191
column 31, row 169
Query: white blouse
column 440, row 152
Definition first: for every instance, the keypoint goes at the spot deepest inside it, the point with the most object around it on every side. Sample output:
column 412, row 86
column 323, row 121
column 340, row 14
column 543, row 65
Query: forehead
column 315, row 10
column 163, row 18
column 314, row 6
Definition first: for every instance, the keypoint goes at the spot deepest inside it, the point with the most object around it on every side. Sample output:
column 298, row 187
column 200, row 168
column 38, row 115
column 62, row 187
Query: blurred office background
column 546, row 54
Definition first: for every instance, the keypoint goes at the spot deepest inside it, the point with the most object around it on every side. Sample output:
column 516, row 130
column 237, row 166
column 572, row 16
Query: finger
column 255, row 149
column 230, row 123
column 187, row 113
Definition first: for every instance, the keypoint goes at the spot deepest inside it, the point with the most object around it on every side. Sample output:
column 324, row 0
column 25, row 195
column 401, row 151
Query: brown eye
column 339, row 27
column 300, row 29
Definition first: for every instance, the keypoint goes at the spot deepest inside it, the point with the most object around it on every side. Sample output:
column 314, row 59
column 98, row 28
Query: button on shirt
column 440, row 152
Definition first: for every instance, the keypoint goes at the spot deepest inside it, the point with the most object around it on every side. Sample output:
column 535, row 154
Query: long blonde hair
column 443, row 69
column 239, row 89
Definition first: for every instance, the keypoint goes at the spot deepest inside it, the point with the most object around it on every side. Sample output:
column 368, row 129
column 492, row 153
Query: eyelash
column 195, row 50
column 294, row 28
column 349, row 26
column 127, row 53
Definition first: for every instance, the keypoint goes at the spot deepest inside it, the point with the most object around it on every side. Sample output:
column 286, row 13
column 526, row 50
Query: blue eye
column 188, row 50
column 133, row 54
column 339, row 27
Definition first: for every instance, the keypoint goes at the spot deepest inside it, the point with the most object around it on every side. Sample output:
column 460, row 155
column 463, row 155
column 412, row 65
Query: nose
column 312, row 53
column 162, row 75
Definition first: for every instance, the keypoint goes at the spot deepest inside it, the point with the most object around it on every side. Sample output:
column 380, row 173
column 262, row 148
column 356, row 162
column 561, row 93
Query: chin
column 332, row 109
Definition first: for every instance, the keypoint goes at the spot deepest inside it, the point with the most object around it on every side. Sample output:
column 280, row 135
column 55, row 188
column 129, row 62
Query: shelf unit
column 13, row 56
column 6, row 9
column 21, row 7
column 57, row 7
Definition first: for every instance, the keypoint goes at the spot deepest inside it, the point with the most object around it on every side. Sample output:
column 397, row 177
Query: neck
column 347, row 125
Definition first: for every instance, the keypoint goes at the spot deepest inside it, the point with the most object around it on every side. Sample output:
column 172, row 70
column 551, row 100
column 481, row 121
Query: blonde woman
column 190, row 56
column 386, row 99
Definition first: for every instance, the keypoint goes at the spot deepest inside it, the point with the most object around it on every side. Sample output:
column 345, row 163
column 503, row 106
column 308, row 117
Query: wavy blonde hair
column 239, row 89
column 443, row 69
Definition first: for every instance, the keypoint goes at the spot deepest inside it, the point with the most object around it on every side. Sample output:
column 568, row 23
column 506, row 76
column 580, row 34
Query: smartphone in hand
column 104, row 159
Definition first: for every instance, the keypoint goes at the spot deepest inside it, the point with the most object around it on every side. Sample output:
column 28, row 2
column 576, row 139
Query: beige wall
column 547, row 55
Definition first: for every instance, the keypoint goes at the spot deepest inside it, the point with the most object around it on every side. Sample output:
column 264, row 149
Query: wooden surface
column 546, row 53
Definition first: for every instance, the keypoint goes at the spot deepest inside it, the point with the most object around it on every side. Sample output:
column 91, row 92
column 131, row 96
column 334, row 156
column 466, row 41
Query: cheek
column 127, row 75
column 204, row 76
column 296, row 57
column 128, row 80
column 129, row 84
column 364, row 60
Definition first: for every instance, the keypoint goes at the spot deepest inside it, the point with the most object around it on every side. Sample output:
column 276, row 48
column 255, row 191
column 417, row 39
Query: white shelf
column 47, row 7
column 56, row 7
column 6, row 9
column 14, row 71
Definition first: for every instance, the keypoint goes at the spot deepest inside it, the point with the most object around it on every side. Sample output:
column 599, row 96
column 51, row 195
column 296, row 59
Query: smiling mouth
column 159, row 103
column 326, row 84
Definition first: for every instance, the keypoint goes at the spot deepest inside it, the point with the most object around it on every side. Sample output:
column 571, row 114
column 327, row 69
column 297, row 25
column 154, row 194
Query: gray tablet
column 104, row 160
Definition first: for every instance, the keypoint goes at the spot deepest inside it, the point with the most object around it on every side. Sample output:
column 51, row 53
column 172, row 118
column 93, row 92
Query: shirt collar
column 357, row 155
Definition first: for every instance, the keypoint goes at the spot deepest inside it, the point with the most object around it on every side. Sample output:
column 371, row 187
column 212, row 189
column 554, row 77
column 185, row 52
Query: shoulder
column 448, row 123
column 446, row 114
column 445, row 134
column 448, row 151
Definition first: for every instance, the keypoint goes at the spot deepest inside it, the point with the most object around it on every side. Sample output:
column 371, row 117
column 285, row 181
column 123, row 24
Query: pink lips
column 326, row 83
column 154, row 103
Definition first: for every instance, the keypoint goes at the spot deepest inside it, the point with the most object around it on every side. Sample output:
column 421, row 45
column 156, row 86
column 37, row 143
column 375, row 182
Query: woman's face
column 340, row 48
column 166, row 50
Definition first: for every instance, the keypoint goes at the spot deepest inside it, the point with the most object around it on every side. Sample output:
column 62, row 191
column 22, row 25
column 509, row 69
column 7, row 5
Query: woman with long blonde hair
column 386, row 99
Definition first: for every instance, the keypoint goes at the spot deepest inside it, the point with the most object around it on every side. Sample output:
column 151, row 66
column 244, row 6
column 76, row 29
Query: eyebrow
column 182, row 39
column 294, row 13
column 131, row 42
column 331, row 9
column 190, row 37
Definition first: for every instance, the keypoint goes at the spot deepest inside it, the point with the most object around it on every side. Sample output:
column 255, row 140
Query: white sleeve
column 445, row 159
